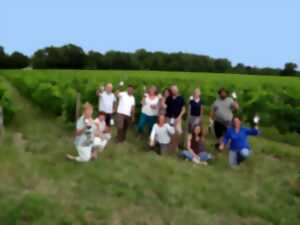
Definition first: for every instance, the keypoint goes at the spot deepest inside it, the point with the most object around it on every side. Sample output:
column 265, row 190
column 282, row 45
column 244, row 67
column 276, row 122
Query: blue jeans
column 236, row 157
column 144, row 119
column 203, row 156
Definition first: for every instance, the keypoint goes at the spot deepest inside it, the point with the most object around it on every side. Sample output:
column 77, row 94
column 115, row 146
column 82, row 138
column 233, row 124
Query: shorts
column 178, row 127
column 193, row 121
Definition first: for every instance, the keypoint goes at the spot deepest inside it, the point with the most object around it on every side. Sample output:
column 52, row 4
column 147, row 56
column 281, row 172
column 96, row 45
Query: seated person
column 237, row 135
column 161, row 134
column 102, row 133
column 85, row 128
column 195, row 147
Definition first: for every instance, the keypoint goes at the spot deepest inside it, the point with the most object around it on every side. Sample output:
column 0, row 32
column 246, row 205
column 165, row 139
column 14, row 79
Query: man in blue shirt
column 237, row 135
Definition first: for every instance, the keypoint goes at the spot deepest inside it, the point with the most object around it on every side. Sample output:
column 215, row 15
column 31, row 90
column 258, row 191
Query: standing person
column 196, row 109
column 162, row 102
column 102, row 133
column 161, row 135
column 85, row 128
column 125, row 112
column 107, row 102
column 237, row 135
column 174, row 113
column 150, row 105
column 195, row 147
column 222, row 113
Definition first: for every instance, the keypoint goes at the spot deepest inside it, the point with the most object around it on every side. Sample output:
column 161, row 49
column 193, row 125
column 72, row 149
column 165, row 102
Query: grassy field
column 129, row 184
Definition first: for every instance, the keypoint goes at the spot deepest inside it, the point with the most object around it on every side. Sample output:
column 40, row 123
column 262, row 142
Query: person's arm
column 152, row 136
column 235, row 105
column 143, row 100
column 80, row 128
column 226, row 139
column 253, row 131
column 170, row 129
column 212, row 112
column 181, row 114
column 133, row 113
column 189, row 145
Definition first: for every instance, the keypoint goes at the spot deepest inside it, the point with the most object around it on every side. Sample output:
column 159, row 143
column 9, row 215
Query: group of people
column 163, row 114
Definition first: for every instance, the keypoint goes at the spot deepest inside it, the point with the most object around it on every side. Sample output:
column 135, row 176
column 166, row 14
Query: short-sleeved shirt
column 195, row 107
column 174, row 106
column 82, row 140
column 147, row 106
column 223, row 110
column 126, row 102
column 106, row 102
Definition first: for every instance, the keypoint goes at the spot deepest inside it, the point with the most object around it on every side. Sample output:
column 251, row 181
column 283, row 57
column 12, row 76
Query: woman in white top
column 150, row 106
column 161, row 134
column 85, row 129
column 102, row 133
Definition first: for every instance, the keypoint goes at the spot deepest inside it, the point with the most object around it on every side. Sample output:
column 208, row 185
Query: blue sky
column 256, row 32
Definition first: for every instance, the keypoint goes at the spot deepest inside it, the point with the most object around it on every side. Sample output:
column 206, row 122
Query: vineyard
column 276, row 100
column 128, row 184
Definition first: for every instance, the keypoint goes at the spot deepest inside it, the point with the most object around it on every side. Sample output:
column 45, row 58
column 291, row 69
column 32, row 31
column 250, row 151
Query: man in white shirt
column 125, row 112
column 107, row 102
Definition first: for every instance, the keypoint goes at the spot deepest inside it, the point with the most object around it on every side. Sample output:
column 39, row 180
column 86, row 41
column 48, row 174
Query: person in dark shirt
column 174, row 112
column 196, row 110
column 195, row 147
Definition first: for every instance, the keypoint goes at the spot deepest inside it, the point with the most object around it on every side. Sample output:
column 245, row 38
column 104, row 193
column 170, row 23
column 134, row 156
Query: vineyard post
column 78, row 105
column 1, row 123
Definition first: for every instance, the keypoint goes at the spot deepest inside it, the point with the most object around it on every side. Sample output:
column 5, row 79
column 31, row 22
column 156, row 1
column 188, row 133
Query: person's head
column 197, row 93
column 101, row 116
column 166, row 92
column 87, row 110
column 152, row 90
column 197, row 131
column 223, row 93
column 130, row 89
column 174, row 90
column 236, row 122
column 109, row 87
column 161, row 119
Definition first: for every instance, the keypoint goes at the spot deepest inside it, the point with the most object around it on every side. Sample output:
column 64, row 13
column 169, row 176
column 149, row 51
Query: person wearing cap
column 237, row 135
column 107, row 102
column 174, row 113
column 85, row 128
column 222, row 113
column 150, row 105
column 125, row 112
column 195, row 110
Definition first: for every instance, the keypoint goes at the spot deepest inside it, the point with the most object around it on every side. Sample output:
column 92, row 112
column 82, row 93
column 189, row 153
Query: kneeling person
column 161, row 135
column 238, row 138
column 85, row 129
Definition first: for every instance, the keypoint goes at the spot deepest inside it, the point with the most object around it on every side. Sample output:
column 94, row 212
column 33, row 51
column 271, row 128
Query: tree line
column 73, row 57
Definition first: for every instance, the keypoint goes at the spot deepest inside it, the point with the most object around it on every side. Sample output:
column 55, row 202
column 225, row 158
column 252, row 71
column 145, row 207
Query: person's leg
column 243, row 155
column 163, row 148
column 84, row 153
column 232, row 158
column 220, row 130
column 204, row 156
column 141, row 123
column 107, row 119
column 127, row 120
column 120, row 127
column 186, row 155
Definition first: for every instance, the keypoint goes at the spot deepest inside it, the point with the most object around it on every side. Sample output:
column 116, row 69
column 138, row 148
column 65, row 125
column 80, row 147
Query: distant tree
column 289, row 69
column 222, row 65
column 3, row 58
column 18, row 60
column 94, row 60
